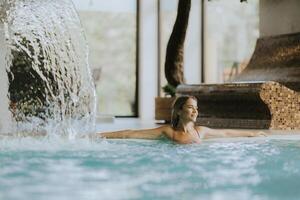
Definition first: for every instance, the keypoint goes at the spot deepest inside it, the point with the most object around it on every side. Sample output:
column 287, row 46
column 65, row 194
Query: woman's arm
column 151, row 134
column 219, row 133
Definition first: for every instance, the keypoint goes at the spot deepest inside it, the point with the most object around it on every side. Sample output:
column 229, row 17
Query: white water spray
column 44, row 68
column 5, row 114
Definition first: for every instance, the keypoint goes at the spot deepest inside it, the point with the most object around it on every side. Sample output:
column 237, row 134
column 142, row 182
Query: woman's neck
column 186, row 126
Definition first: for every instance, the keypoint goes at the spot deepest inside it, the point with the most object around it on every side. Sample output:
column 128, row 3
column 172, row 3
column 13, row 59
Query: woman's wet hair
column 177, row 106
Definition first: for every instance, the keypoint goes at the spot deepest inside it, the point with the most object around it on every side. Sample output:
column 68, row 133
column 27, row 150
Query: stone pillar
column 279, row 17
column 148, row 59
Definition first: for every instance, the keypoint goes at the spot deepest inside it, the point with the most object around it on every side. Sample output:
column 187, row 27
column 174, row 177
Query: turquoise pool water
column 59, row 169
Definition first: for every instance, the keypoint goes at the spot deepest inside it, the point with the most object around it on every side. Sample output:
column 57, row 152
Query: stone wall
column 284, row 105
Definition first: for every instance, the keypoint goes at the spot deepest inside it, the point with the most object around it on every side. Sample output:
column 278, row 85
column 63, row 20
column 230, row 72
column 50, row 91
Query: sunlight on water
column 49, row 82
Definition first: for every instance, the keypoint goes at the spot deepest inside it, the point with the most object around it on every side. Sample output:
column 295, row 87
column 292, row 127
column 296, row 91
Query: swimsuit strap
column 197, row 133
column 173, row 136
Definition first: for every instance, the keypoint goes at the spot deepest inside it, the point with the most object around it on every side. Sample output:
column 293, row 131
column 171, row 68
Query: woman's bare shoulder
column 203, row 129
column 166, row 128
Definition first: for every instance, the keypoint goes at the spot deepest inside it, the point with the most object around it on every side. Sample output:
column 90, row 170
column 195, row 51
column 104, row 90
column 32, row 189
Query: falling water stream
column 45, row 78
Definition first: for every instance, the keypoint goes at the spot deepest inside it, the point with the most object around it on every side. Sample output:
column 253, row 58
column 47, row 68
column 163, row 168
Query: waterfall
column 45, row 77
column 5, row 115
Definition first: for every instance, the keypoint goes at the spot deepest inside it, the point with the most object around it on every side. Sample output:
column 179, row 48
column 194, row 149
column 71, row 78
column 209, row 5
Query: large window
column 110, row 27
column 167, row 16
column 231, row 29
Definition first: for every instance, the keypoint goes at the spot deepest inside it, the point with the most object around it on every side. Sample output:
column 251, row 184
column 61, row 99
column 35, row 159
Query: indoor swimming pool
column 240, row 168
column 46, row 85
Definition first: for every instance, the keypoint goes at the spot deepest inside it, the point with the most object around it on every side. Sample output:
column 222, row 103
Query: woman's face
column 189, row 111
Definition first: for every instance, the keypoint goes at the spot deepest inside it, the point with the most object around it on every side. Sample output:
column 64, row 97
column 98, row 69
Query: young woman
column 182, row 129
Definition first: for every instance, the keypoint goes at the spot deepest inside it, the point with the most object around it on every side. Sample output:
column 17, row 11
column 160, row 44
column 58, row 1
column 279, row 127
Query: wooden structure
column 163, row 108
column 264, row 95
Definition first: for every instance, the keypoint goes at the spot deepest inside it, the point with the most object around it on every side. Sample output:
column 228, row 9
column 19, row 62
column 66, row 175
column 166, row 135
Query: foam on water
column 140, row 169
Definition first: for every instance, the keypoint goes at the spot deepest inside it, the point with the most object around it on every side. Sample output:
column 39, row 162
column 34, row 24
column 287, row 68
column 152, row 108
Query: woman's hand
column 258, row 134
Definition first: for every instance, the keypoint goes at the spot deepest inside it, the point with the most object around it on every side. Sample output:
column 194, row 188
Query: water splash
column 49, row 85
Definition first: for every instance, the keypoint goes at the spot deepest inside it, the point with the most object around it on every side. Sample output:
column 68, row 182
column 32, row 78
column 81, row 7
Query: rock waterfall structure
column 46, row 82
